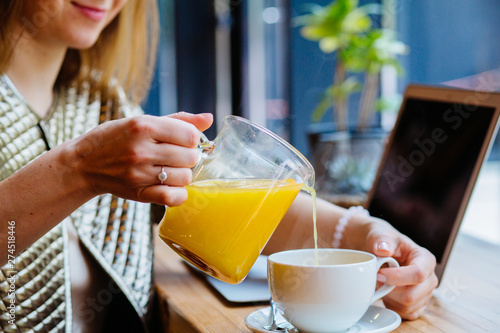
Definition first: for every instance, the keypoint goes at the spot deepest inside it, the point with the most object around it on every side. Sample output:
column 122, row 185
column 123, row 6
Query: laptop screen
column 427, row 169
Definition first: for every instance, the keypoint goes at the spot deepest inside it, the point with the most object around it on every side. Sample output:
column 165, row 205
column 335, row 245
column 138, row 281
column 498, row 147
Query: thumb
column 382, row 245
column 202, row 121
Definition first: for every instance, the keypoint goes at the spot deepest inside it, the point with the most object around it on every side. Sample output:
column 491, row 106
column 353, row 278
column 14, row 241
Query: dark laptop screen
column 425, row 175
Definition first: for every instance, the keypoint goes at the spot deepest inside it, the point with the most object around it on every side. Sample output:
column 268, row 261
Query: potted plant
column 361, row 51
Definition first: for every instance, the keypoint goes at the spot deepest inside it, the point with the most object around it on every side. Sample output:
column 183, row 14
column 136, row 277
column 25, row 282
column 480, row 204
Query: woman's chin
column 83, row 44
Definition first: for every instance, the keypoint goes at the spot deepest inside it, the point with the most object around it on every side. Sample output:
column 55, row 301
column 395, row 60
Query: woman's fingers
column 404, row 275
column 125, row 157
column 417, row 263
column 163, row 129
column 175, row 176
column 173, row 156
column 408, row 312
column 382, row 240
column 410, row 301
column 201, row 121
column 182, row 129
column 163, row 195
column 415, row 280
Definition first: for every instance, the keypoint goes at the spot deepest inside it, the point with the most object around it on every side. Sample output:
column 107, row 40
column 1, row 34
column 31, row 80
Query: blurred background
column 249, row 58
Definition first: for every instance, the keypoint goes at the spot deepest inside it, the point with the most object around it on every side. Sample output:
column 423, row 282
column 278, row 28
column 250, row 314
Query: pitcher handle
column 205, row 148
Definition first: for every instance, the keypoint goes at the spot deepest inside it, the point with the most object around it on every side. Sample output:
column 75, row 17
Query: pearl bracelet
column 339, row 229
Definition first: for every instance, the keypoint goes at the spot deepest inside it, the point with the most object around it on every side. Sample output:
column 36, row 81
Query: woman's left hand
column 415, row 280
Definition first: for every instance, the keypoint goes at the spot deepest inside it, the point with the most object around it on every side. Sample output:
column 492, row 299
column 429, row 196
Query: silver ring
column 162, row 176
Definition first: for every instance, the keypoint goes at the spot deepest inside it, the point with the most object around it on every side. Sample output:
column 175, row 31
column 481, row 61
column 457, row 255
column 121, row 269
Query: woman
column 77, row 160
column 58, row 59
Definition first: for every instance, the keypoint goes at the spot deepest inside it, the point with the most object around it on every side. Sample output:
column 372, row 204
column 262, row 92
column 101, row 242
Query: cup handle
column 386, row 288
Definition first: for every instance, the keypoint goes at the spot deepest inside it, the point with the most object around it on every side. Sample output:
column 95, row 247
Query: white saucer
column 375, row 320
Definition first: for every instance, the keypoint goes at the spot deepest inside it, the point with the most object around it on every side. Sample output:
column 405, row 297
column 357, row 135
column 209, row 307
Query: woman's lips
column 93, row 13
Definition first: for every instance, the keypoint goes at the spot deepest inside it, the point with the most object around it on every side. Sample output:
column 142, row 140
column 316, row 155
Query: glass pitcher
column 244, row 183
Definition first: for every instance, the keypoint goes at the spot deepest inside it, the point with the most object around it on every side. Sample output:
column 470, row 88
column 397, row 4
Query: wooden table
column 468, row 299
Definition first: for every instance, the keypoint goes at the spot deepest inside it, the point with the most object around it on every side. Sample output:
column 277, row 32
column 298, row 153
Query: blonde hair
column 125, row 50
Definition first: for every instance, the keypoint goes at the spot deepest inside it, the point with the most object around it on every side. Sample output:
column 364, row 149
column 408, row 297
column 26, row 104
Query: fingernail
column 383, row 246
column 381, row 278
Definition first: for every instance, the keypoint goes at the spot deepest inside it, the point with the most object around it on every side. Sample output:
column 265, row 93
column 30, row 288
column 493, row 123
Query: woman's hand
column 415, row 280
column 124, row 157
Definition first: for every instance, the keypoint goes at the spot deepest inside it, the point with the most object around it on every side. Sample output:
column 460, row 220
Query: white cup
column 329, row 297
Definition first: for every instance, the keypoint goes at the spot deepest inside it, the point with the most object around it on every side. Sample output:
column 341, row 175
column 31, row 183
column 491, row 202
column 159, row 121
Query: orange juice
column 312, row 192
column 224, row 224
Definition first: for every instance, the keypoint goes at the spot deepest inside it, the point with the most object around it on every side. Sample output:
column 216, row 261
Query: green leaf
column 323, row 106
column 333, row 93
column 349, row 86
column 344, row 27
column 301, row 20
column 313, row 8
column 356, row 64
column 389, row 103
column 372, row 8
column 329, row 44
column 337, row 10
column 356, row 21
column 312, row 33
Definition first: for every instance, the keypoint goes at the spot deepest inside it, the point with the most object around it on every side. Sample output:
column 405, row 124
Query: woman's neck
column 33, row 70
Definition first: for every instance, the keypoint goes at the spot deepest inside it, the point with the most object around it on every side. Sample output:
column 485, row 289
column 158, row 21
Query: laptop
column 431, row 162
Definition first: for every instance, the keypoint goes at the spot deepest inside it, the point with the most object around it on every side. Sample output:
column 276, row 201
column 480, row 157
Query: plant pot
column 345, row 162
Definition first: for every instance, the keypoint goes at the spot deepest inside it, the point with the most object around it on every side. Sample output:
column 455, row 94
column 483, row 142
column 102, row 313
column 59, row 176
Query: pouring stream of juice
column 312, row 192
